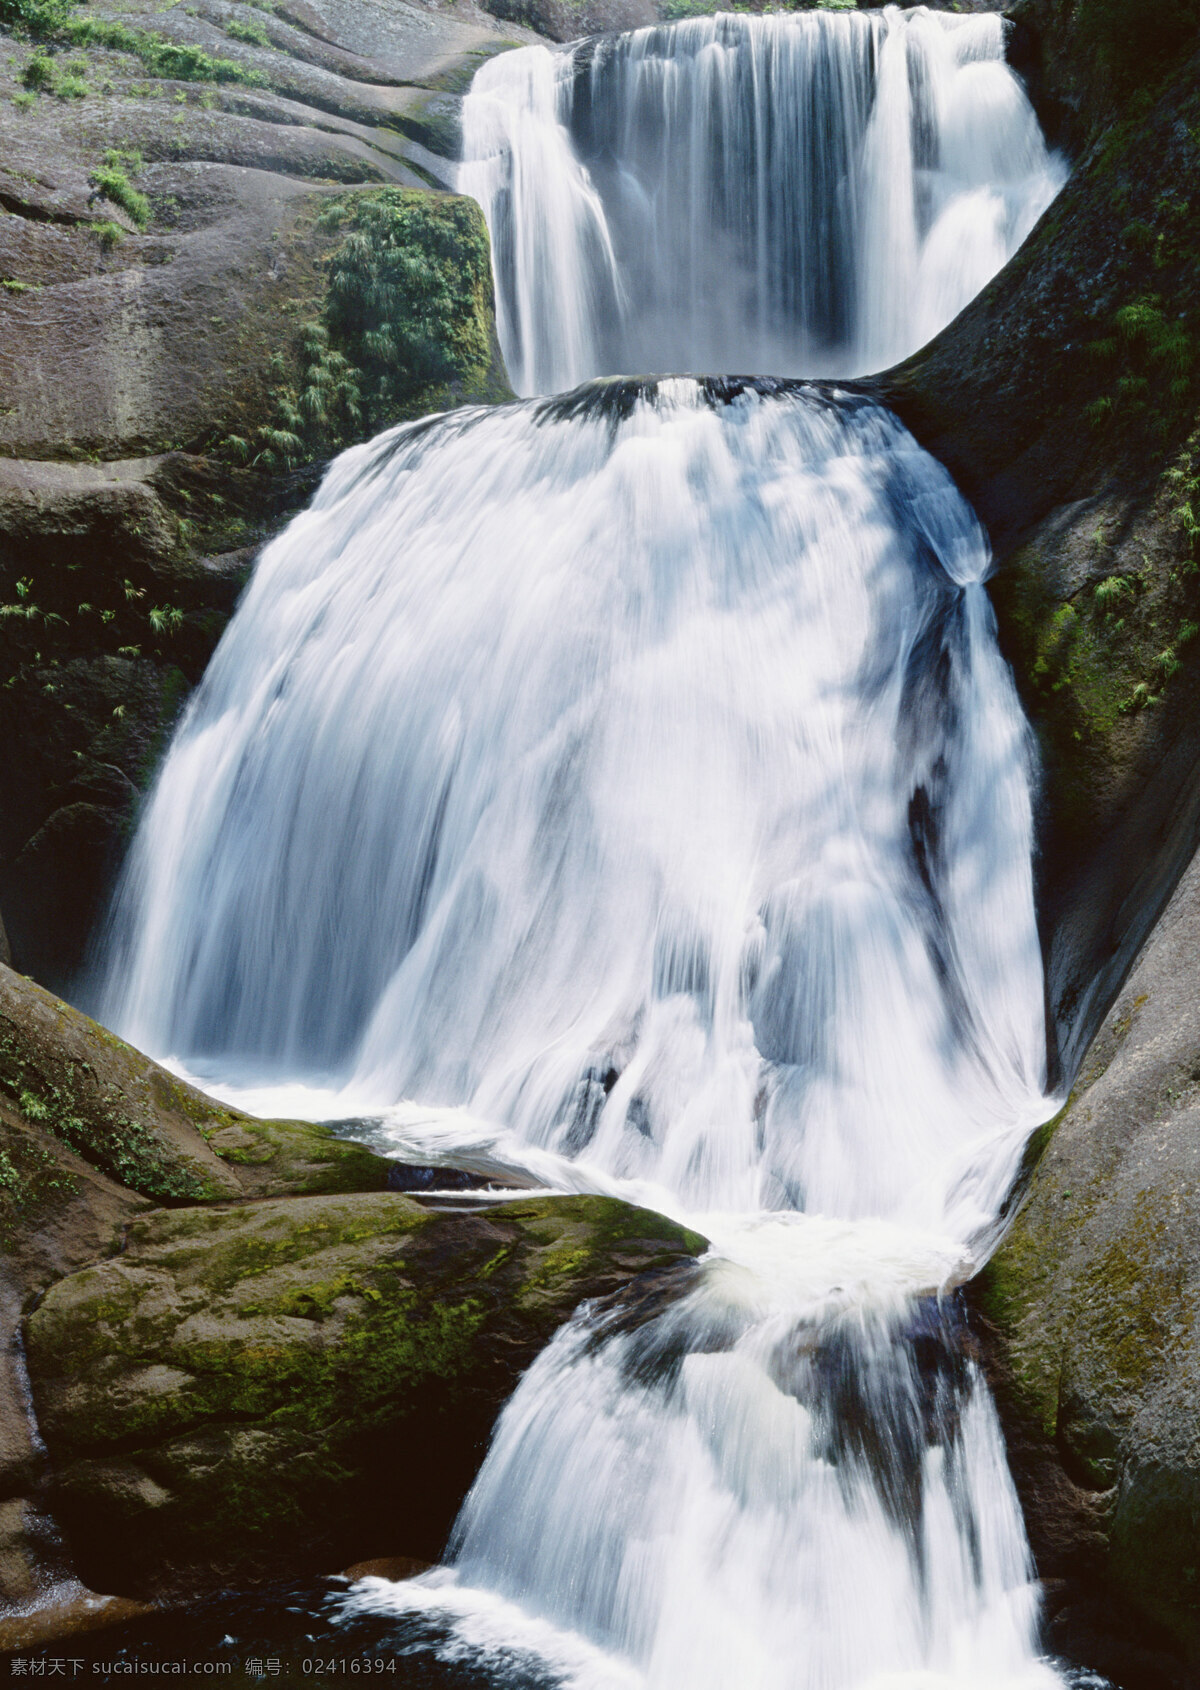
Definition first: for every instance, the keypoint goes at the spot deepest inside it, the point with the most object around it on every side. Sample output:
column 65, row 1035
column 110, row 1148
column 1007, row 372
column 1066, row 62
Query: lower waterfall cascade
column 662, row 826
column 805, row 193
column 624, row 790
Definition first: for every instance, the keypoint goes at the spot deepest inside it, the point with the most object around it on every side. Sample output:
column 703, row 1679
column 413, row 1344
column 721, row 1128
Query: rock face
column 192, row 196
column 292, row 1386
column 70, row 1082
column 1095, row 1300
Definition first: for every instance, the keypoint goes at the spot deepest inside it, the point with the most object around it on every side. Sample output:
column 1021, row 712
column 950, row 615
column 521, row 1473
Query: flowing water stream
column 813, row 193
column 625, row 789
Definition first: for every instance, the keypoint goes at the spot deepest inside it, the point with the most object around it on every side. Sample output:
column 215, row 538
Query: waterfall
column 791, row 1480
column 661, row 796
column 625, row 788
column 805, row 193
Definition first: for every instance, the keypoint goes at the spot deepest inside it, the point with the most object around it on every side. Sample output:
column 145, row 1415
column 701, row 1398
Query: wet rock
column 292, row 1387
column 1094, row 1307
column 74, row 1613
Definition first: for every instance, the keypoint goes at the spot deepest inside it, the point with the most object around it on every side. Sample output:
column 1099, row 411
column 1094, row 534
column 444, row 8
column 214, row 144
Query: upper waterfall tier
column 636, row 770
column 808, row 193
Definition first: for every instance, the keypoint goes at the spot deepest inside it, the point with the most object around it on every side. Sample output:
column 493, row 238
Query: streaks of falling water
column 809, row 193
column 633, row 781
column 660, row 799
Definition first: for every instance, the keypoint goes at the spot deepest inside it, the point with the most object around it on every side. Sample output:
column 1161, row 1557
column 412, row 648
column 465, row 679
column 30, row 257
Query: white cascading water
column 626, row 789
column 638, row 773
column 806, row 193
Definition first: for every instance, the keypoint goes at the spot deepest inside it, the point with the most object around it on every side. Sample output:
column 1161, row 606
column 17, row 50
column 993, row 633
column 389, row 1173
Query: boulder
column 92, row 1134
column 1093, row 1305
column 292, row 1387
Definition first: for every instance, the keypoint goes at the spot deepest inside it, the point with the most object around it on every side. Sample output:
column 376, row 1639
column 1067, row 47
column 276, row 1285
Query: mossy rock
column 81, row 1087
column 289, row 1387
column 1093, row 1306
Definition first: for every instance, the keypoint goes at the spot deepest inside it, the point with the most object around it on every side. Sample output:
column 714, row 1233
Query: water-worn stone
column 91, row 1133
column 293, row 1386
column 1094, row 1302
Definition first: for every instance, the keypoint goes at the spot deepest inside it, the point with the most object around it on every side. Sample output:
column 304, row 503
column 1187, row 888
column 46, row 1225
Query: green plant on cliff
column 36, row 18
column 127, row 1150
column 254, row 33
column 162, row 58
column 30, row 1177
column 1153, row 362
column 405, row 324
column 1182, row 481
column 110, row 180
column 405, row 294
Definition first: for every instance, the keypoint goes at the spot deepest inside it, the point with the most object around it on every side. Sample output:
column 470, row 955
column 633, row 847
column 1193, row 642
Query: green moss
column 1091, row 661
column 239, row 1373
column 1133, row 1292
column 224, row 1248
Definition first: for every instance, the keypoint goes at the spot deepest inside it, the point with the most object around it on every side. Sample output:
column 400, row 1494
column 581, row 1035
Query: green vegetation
column 254, row 33
column 39, row 73
column 162, row 58
column 31, row 1177
column 45, row 627
column 1153, row 360
column 107, row 1136
column 407, row 296
column 109, row 234
column 110, row 180
column 405, row 327
column 1182, row 482
column 43, row 76
column 36, row 18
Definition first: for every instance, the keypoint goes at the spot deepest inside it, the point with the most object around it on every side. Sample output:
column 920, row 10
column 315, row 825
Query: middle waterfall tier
column 637, row 771
column 812, row 193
